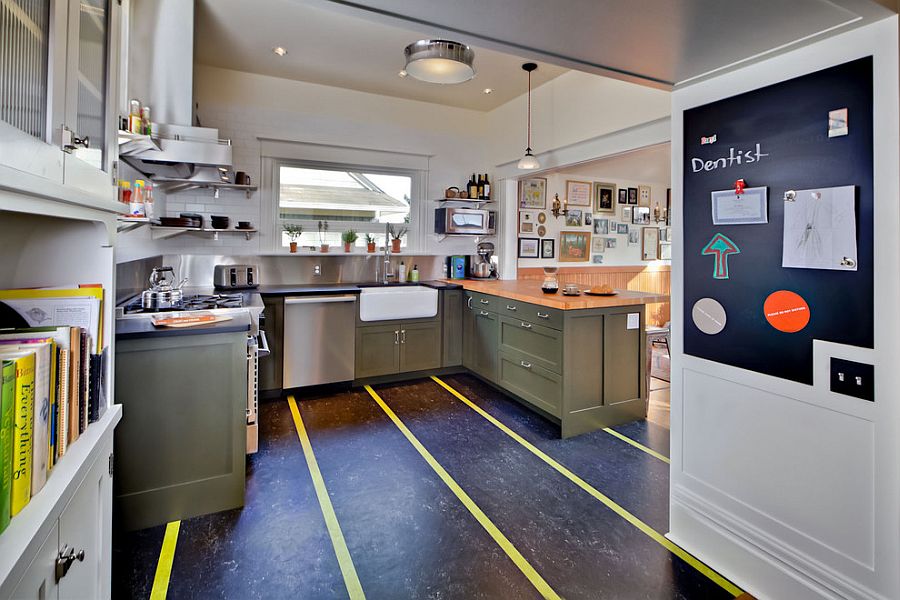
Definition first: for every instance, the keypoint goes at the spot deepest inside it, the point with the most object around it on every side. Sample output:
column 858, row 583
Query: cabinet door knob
column 512, row 308
column 402, row 336
column 527, row 365
column 64, row 560
column 543, row 315
column 483, row 301
column 483, row 313
column 397, row 338
column 526, row 325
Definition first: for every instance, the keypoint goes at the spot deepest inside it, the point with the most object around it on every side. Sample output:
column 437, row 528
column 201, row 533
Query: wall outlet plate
column 853, row 379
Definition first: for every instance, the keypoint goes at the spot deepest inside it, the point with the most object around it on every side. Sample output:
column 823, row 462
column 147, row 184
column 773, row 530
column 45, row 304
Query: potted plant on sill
column 396, row 236
column 349, row 238
column 370, row 243
column 323, row 229
column 293, row 232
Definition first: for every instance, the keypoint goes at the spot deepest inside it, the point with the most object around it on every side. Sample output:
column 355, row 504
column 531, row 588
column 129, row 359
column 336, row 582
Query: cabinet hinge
column 111, row 455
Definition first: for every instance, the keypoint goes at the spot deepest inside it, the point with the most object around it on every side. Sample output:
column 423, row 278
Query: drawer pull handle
column 402, row 336
column 483, row 313
column 397, row 338
column 512, row 308
column 526, row 325
column 527, row 365
column 483, row 301
column 543, row 315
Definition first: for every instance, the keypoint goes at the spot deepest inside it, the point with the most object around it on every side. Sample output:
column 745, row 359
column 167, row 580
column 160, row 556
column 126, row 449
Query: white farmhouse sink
column 402, row 302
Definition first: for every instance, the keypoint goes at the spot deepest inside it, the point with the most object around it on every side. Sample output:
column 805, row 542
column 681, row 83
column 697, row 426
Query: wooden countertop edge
column 495, row 288
column 539, row 271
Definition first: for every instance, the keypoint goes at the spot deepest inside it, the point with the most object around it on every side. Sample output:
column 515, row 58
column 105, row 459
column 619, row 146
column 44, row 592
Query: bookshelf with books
column 57, row 413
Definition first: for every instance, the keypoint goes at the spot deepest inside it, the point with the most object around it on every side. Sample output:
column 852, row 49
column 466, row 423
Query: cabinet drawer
column 534, row 313
column 532, row 383
column 483, row 301
column 540, row 345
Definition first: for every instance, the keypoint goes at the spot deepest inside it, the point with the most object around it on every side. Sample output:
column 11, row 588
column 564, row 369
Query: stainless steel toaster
column 235, row 276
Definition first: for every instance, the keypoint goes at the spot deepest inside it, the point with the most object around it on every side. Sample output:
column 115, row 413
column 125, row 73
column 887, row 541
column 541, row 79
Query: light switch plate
column 853, row 379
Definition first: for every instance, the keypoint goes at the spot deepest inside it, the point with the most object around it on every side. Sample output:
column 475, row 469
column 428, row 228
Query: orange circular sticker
column 786, row 311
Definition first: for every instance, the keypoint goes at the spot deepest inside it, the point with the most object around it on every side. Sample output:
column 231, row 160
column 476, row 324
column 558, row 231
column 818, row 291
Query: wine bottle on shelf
column 480, row 192
column 473, row 187
column 486, row 194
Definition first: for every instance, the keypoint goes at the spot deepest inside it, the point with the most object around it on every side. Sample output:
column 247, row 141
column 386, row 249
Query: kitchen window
column 346, row 197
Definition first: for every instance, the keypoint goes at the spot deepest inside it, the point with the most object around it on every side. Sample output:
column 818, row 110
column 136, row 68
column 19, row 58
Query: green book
column 7, row 403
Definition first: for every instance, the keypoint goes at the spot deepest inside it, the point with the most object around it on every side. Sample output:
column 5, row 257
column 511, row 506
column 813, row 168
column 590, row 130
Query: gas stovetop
column 188, row 303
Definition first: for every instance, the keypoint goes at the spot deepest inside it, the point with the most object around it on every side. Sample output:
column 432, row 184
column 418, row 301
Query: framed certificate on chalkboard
column 750, row 208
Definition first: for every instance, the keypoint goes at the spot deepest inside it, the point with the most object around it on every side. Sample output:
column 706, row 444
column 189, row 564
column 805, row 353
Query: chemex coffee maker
column 482, row 267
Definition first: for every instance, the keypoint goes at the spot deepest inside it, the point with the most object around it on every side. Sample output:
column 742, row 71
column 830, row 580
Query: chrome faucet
column 387, row 272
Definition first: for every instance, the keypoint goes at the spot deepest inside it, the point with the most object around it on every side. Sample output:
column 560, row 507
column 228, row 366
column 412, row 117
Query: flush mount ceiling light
column 279, row 50
column 529, row 162
column 440, row 61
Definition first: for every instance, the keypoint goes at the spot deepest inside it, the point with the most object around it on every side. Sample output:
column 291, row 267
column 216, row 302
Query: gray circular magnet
column 709, row 316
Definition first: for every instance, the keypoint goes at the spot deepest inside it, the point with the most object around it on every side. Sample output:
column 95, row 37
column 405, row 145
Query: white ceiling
column 652, row 165
column 656, row 42
column 344, row 50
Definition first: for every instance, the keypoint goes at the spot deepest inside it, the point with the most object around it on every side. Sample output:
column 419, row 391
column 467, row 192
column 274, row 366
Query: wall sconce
column 558, row 208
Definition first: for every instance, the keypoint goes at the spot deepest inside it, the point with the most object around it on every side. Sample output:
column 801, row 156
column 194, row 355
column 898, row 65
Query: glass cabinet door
column 32, row 95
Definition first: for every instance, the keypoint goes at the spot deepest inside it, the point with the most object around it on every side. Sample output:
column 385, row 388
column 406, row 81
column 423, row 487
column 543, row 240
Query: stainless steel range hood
column 160, row 75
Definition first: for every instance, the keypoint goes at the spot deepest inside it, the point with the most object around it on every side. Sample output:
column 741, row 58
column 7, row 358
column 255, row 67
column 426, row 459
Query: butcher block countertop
column 530, row 291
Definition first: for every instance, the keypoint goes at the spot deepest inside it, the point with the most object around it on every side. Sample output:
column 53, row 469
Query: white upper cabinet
column 58, row 91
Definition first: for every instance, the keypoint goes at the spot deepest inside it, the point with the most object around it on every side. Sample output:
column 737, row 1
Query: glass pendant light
column 529, row 162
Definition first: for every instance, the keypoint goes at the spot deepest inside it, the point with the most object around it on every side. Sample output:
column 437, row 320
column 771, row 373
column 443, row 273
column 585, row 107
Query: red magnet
column 739, row 186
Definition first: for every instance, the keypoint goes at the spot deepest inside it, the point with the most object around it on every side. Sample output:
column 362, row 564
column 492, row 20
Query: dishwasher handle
column 318, row 299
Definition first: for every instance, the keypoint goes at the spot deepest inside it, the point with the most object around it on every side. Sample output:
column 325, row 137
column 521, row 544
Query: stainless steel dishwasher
column 319, row 339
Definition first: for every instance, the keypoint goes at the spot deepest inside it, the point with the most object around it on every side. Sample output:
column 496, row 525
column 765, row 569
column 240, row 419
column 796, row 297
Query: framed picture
column 547, row 248
column 573, row 219
column 649, row 243
column 578, row 193
column 610, row 242
column 644, row 195
column 613, row 225
column 640, row 215
column 604, row 197
column 526, row 222
column 574, row 246
column 542, row 230
column 623, row 195
column 597, row 259
column 634, row 236
column 533, row 193
column 665, row 235
column 750, row 208
column 665, row 251
column 542, row 217
column 601, row 226
column 632, row 195
column 622, row 229
column 626, row 214
column 588, row 218
column 598, row 245
column 528, row 248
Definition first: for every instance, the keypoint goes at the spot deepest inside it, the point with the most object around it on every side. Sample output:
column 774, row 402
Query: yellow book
column 24, row 420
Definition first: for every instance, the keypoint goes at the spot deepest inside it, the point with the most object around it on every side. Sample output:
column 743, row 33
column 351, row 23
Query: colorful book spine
column 7, row 425
column 22, row 441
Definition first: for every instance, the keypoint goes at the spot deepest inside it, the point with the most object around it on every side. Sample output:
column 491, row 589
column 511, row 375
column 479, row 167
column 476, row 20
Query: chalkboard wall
column 788, row 122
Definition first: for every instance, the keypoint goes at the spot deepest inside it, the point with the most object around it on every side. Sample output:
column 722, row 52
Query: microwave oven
column 464, row 221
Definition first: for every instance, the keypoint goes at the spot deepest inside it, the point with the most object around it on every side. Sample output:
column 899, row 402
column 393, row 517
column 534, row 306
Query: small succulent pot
column 293, row 247
column 395, row 245
column 323, row 248
column 370, row 248
column 347, row 246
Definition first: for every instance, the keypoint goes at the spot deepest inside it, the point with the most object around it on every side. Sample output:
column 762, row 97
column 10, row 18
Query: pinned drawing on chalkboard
column 837, row 123
column 820, row 229
column 720, row 246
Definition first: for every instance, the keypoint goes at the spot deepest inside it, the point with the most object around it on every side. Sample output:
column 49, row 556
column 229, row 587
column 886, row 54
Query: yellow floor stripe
column 637, row 445
column 164, row 566
column 536, row 580
column 351, row 580
column 616, row 508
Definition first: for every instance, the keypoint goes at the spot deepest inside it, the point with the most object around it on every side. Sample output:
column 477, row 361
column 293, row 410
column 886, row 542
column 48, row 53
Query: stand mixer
column 483, row 268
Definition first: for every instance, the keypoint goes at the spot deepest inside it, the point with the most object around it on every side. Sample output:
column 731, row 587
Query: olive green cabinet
column 480, row 339
column 397, row 347
column 452, row 305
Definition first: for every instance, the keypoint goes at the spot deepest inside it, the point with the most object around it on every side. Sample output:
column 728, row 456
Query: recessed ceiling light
column 488, row 90
column 402, row 73
column 279, row 50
